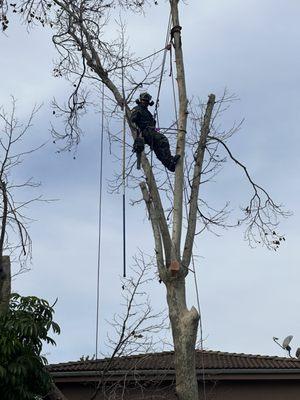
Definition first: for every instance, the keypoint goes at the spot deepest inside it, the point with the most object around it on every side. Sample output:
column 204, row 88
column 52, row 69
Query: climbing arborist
column 145, row 122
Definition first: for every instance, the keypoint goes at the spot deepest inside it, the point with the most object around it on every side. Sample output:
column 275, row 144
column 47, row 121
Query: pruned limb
column 199, row 157
column 182, row 122
column 155, row 227
column 154, row 193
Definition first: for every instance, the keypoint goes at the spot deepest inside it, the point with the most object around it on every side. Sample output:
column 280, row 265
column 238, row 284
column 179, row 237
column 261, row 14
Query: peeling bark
column 184, row 324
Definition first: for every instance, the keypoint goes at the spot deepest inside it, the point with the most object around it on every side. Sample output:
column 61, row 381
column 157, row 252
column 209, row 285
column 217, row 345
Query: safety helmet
column 146, row 97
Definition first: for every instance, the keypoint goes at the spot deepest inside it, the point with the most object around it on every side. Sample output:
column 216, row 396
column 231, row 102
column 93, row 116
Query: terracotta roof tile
column 165, row 362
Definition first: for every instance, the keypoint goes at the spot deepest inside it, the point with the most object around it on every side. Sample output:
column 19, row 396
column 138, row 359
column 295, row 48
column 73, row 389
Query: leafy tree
column 23, row 329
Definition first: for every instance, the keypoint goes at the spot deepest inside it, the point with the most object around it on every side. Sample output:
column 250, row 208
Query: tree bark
column 5, row 283
column 193, row 203
column 184, row 322
column 184, row 325
column 182, row 123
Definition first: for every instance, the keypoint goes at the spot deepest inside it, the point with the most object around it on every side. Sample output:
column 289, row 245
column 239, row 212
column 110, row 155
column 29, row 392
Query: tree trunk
column 184, row 322
column 184, row 325
column 182, row 124
column 5, row 286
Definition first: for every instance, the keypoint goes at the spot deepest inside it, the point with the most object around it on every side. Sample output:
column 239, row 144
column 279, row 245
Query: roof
column 164, row 362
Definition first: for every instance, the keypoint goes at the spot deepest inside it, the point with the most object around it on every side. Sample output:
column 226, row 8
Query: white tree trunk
column 184, row 325
column 182, row 122
column 184, row 322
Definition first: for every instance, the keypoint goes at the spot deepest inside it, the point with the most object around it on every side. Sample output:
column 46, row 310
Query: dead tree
column 85, row 56
column 14, row 237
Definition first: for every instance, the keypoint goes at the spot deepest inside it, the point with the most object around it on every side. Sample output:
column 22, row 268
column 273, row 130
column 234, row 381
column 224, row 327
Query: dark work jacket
column 142, row 117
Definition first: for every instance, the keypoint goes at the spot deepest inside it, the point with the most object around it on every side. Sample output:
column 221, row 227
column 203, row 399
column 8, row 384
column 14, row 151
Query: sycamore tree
column 92, row 60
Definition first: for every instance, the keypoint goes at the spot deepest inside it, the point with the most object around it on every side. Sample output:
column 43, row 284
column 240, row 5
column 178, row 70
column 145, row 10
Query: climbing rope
column 124, row 166
column 124, row 194
column 99, row 221
column 197, row 296
column 166, row 49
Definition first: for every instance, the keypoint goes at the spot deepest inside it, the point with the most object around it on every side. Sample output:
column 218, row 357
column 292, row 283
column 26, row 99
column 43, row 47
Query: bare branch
column 199, row 157
column 156, row 229
column 14, row 236
column 261, row 213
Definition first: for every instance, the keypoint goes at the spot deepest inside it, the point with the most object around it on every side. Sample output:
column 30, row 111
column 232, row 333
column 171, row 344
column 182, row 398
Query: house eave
column 165, row 375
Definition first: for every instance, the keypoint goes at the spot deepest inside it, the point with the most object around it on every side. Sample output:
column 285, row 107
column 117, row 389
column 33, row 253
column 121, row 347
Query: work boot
column 172, row 165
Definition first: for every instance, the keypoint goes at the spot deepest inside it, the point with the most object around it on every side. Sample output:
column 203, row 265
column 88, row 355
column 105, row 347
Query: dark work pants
column 160, row 144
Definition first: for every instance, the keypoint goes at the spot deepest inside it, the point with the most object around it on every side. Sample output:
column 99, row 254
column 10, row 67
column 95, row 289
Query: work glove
column 138, row 145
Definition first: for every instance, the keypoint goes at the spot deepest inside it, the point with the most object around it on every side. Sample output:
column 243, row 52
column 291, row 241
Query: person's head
column 145, row 99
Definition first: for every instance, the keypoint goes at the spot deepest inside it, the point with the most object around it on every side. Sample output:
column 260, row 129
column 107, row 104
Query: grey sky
column 247, row 296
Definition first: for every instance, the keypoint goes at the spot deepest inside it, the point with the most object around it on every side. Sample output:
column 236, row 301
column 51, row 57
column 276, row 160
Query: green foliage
column 23, row 329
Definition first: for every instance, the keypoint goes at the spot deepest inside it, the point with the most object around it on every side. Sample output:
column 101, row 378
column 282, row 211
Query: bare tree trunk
column 184, row 324
column 182, row 123
column 5, row 285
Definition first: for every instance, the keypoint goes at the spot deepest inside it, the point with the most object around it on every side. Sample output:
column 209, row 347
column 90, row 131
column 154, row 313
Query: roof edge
column 170, row 374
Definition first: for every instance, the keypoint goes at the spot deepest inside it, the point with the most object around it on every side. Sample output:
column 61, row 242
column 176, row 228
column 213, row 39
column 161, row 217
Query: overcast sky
column 247, row 295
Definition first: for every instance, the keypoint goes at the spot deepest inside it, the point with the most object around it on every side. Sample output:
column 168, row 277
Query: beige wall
column 84, row 392
column 252, row 390
column 222, row 390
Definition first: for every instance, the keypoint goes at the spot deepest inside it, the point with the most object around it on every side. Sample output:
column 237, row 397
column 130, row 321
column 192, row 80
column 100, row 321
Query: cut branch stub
column 174, row 267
